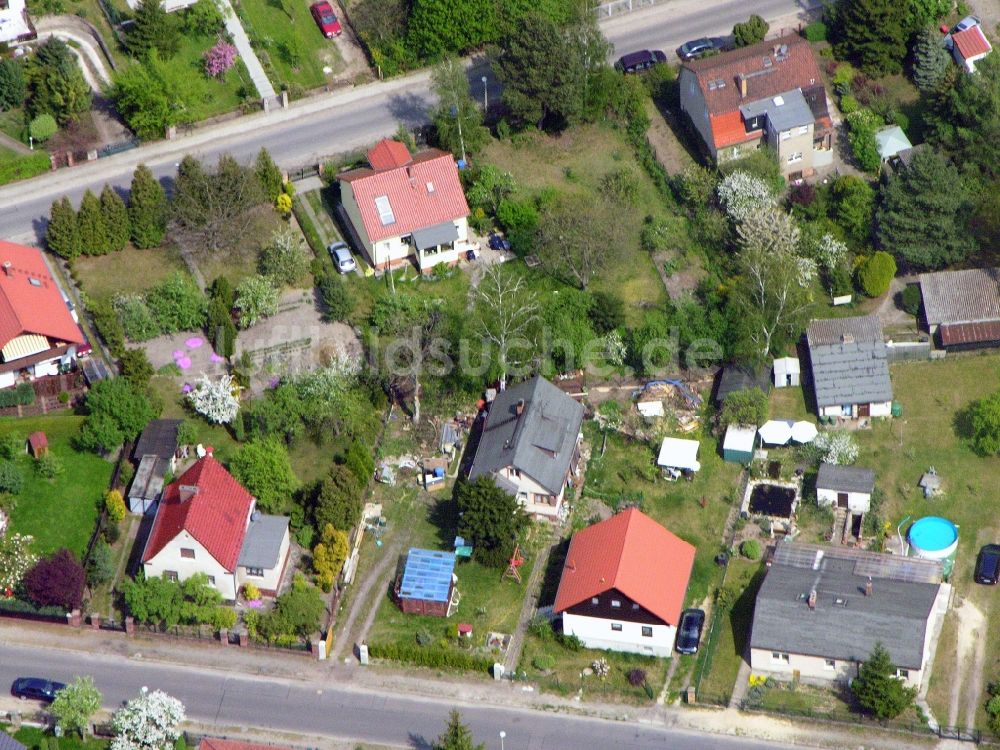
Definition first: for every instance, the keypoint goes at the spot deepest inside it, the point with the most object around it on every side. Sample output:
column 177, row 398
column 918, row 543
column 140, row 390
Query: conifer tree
column 268, row 174
column 62, row 234
column 90, row 220
column 115, row 218
column 457, row 736
column 147, row 209
column 872, row 34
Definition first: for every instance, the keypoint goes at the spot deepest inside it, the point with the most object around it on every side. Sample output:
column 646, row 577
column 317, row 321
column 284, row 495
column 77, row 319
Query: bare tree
column 577, row 237
column 774, row 298
column 504, row 309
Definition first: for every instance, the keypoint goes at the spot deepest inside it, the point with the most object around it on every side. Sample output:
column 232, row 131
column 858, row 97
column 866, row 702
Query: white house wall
column 532, row 496
column 859, row 502
column 812, row 668
column 596, row 632
column 169, row 558
column 880, row 409
column 350, row 205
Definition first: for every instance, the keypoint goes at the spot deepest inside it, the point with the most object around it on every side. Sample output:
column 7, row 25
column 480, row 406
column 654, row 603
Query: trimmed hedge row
column 20, row 606
column 21, row 395
column 429, row 657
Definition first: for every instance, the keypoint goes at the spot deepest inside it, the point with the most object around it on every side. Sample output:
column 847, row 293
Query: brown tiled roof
column 795, row 69
column 969, row 296
column 959, row 334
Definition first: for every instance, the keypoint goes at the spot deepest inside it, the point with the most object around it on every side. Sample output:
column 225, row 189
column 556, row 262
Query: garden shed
column 38, row 444
column 678, row 455
column 739, row 443
column 787, row 372
column 427, row 586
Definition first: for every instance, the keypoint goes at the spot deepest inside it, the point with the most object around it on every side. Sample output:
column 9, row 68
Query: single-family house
column 428, row 584
column 530, row 445
column 678, row 456
column 38, row 336
column 787, row 372
column 821, row 610
column 734, row 377
column 739, row 443
column 969, row 46
column 206, row 522
column 15, row 25
column 155, row 454
column 850, row 368
column 962, row 308
column 405, row 206
column 623, row 585
column 768, row 94
column 847, row 487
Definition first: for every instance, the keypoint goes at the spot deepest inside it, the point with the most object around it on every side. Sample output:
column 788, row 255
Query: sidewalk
column 242, row 43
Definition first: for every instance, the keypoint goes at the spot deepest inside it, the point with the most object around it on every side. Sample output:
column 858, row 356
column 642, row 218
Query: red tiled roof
column 27, row 308
column 728, row 129
column 971, row 42
column 388, row 154
column 797, row 70
column 959, row 334
column 216, row 515
column 634, row 554
column 214, row 743
column 421, row 194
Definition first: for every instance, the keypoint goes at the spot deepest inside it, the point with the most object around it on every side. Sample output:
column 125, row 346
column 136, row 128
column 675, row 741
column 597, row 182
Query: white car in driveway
column 342, row 258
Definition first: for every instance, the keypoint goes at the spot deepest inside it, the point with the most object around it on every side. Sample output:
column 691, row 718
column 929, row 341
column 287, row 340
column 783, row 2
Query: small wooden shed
column 38, row 444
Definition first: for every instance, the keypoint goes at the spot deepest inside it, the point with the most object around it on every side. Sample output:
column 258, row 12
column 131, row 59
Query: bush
column 636, row 677
column 115, row 505
column 877, row 273
column 49, row 466
column 912, row 299
column 541, row 628
column 43, row 127
column 137, row 320
column 815, row 32
column 11, row 479
column 849, row 104
column 750, row 549
column 100, row 564
column 569, row 642
column 430, row 657
column 543, row 662
column 112, row 533
column 250, row 592
column 22, row 395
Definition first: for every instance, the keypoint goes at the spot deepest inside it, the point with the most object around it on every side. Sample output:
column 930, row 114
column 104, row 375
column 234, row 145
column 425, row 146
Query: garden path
column 242, row 43
column 531, row 593
column 971, row 640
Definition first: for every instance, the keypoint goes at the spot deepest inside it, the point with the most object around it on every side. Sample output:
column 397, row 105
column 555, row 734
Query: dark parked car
column 636, row 62
column 323, row 15
column 499, row 243
column 689, row 631
column 697, row 47
column 35, row 688
column 988, row 565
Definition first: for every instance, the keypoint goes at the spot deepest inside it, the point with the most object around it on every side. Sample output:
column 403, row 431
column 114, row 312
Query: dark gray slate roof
column 539, row 443
column 262, row 543
column 845, row 478
column 846, row 624
column 734, row 378
column 849, row 363
column 9, row 743
column 158, row 439
column 968, row 296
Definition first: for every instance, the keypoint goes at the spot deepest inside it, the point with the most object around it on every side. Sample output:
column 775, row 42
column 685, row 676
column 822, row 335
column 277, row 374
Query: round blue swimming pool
column 933, row 537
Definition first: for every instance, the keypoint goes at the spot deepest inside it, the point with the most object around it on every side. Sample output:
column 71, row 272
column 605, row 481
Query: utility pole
column 461, row 138
column 486, row 100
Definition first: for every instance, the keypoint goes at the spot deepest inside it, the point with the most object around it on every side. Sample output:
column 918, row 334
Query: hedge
column 429, row 657
column 22, row 395
column 815, row 32
column 20, row 606
column 24, row 167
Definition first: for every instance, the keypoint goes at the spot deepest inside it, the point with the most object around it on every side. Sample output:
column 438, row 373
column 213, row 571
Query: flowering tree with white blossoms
column 742, row 195
column 829, row 252
column 149, row 722
column 836, row 447
column 16, row 559
column 216, row 400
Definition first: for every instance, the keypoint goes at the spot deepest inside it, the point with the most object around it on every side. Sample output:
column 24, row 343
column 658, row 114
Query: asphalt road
column 338, row 123
column 225, row 701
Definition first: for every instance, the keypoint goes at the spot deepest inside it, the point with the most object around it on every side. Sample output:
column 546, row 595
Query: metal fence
column 616, row 7
column 116, row 148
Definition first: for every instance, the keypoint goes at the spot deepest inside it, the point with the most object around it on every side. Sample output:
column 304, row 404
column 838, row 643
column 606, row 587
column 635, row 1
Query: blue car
column 499, row 243
column 35, row 688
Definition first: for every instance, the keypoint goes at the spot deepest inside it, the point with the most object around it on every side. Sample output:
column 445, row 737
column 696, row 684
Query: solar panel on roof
column 427, row 575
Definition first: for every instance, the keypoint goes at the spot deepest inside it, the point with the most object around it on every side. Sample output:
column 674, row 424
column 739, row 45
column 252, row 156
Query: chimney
column 187, row 492
column 847, row 338
column 743, row 87
column 868, row 587
column 812, row 599
column 519, row 408
column 776, row 50
column 571, row 565
column 7, row 267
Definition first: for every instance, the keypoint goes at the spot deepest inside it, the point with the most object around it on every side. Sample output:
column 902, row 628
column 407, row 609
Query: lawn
column 101, row 276
column 577, row 161
column 933, row 395
column 288, row 43
column 12, row 123
column 32, row 737
column 206, row 97
column 240, row 262
column 59, row 512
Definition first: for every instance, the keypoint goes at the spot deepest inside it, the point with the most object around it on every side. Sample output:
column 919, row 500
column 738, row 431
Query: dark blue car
column 499, row 243
column 689, row 631
column 35, row 688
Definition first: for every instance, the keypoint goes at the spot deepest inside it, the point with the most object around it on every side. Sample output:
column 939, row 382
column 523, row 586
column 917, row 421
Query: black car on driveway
column 35, row 688
column 689, row 631
column 988, row 565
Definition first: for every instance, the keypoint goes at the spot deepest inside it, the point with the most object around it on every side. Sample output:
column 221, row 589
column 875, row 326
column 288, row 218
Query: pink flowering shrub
column 219, row 59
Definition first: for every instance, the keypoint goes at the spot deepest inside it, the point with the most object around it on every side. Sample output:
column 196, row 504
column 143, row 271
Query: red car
column 325, row 19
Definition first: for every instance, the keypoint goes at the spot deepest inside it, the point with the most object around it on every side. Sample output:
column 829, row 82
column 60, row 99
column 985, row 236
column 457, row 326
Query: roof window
column 385, row 214
column 34, row 282
column 430, row 187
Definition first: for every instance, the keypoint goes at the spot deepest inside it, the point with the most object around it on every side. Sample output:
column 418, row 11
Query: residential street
column 330, row 124
column 226, row 701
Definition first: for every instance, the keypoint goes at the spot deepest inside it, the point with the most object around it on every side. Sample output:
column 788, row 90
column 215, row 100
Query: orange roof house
column 404, row 205
column 623, row 584
column 36, row 327
column 970, row 46
column 768, row 94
